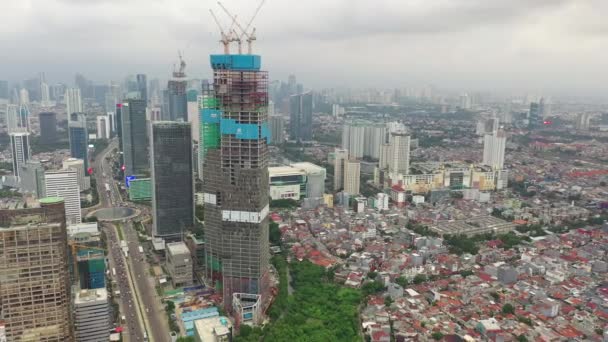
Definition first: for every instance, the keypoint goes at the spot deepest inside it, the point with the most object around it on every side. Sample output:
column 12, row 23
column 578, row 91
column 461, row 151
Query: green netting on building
column 140, row 190
column 97, row 265
column 209, row 102
column 210, row 135
column 214, row 263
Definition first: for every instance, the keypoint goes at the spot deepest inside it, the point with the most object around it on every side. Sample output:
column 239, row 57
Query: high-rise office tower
column 23, row 118
column 534, row 117
column 12, row 117
column 4, row 93
column 57, row 92
column 172, row 178
column 494, row 149
column 83, row 85
column 20, row 149
column 17, row 118
column 64, row 184
column 45, row 94
column 79, row 137
column 118, row 123
column 34, row 280
column 24, row 96
column 340, row 158
column 399, row 153
column 582, row 121
column 134, row 137
column 542, row 108
column 176, row 93
column 84, row 183
column 142, row 86
column 154, row 114
column 193, row 113
column 235, row 183
column 292, row 84
column 92, row 315
column 277, row 129
column 352, row 176
column 73, row 101
column 103, row 127
column 300, row 114
column 466, row 102
column 31, row 178
column 48, row 127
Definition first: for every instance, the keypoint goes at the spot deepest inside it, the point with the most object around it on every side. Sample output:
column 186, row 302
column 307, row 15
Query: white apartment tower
column 353, row 139
column 103, row 127
column 399, row 153
column 84, row 182
column 352, row 176
column 494, row 149
column 20, row 149
column 73, row 101
column 64, row 184
column 340, row 158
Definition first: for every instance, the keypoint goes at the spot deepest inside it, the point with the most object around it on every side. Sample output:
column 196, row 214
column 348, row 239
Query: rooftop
column 90, row 295
column 177, row 248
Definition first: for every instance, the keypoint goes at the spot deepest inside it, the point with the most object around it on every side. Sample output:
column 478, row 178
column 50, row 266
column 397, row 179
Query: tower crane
column 244, row 31
column 226, row 37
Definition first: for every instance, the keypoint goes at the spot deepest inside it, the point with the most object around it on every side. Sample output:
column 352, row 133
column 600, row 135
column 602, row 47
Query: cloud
column 463, row 44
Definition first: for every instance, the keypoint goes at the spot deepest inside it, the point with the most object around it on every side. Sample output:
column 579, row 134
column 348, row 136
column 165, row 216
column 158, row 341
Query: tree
column 274, row 233
column 419, row 279
column 199, row 212
column 372, row 287
column 170, row 307
column 402, row 281
column 437, row 336
column 388, row 301
column 187, row 338
column 508, row 309
column 466, row 273
column 522, row 338
column 372, row 275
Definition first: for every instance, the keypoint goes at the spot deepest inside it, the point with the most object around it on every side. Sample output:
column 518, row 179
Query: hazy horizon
column 541, row 46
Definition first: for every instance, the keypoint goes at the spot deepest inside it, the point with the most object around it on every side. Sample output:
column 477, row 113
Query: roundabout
column 114, row 214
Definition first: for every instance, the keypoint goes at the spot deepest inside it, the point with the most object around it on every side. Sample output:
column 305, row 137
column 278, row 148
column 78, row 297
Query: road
column 154, row 311
column 143, row 308
column 129, row 310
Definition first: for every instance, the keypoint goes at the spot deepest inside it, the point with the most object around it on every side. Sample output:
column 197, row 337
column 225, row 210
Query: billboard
column 128, row 179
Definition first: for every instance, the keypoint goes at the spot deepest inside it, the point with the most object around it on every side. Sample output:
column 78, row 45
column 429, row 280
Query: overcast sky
column 528, row 45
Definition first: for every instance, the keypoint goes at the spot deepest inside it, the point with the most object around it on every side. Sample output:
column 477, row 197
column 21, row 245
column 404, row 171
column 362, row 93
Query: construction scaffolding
column 234, row 151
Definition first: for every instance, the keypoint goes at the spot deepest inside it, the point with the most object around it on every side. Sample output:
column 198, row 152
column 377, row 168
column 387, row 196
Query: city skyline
column 466, row 45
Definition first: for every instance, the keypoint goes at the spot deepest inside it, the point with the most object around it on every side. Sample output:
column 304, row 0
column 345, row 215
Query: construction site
column 234, row 155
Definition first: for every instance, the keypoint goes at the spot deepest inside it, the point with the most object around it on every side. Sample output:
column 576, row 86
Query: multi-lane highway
column 145, row 316
column 132, row 321
column 156, row 317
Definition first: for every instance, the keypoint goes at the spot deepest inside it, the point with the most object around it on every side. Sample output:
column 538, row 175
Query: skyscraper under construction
column 234, row 148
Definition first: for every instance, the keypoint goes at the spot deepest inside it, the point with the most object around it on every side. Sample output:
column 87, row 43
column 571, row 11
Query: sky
column 542, row 46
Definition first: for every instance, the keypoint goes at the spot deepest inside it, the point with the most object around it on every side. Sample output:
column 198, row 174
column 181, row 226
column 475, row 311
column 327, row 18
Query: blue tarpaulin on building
column 211, row 115
column 236, row 62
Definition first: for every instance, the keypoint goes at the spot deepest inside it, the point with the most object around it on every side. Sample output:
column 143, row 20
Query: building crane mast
column 182, row 63
column 226, row 37
column 244, row 31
